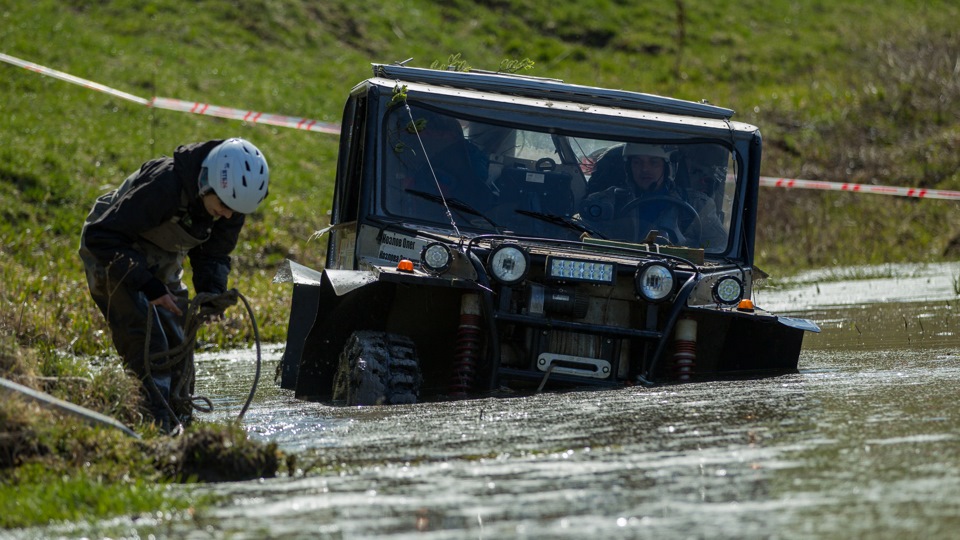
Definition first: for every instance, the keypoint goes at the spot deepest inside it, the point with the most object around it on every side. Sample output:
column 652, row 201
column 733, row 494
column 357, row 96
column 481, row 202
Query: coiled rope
column 201, row 309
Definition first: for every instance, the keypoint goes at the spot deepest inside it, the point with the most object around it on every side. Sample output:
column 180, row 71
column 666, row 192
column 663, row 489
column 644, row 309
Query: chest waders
column 126, row 309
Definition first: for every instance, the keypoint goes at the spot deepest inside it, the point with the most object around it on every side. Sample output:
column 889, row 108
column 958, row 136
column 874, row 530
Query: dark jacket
column 155, row 198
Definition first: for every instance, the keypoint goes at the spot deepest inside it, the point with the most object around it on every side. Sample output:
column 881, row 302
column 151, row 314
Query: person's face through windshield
column 646, row 171
column 705, row 178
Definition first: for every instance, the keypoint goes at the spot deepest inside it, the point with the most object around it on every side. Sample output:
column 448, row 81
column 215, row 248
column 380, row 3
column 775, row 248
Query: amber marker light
column 745, row 305
column 405, row 265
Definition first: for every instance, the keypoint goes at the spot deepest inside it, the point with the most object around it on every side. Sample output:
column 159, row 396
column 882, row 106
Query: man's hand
column 168, row 302
column 211, row 313
column 213, row 305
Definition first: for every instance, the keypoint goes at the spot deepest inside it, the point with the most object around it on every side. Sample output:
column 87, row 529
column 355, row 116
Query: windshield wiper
column 453, row 203
column 563, row 221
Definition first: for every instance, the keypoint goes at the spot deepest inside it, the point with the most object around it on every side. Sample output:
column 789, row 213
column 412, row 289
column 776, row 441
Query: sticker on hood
column 394, row 247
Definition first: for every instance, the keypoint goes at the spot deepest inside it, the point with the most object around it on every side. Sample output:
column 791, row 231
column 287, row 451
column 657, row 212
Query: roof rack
column 536, row 87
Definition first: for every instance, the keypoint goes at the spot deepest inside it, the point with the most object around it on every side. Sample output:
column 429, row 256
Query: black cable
column 198, row 311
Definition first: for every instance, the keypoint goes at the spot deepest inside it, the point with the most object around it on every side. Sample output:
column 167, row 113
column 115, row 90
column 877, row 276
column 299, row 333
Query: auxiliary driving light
column 435, row 258
column 728, row 290
column 564, row 269
column 508, row 264
column 654, row 282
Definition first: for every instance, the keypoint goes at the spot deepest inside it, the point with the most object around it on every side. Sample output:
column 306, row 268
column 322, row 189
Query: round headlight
column 728, row 290
column 508, row 264
column 654, row 282
column 435, row 258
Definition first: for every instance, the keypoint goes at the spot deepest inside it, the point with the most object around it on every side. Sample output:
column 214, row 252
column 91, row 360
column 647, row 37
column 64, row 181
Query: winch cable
column 199, row 310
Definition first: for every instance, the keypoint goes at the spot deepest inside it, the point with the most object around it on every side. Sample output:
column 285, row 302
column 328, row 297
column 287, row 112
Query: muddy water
column 863, row 442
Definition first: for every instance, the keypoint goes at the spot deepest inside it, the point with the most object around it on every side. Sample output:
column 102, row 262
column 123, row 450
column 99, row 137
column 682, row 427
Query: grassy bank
column 854, row 91
column 57, row 468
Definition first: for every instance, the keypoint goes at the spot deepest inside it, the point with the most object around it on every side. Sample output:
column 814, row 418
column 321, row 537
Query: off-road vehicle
column 490, row 233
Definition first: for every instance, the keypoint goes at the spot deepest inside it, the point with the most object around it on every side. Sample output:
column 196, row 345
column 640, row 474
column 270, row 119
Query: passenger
column 451, row 162
column 134, row 242
column 618, row 195
column 705, row 181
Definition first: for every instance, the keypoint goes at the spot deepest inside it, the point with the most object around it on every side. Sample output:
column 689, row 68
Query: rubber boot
column 159, row 403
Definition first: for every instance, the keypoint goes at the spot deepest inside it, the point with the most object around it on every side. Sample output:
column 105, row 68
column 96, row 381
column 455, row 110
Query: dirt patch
column 216, row 454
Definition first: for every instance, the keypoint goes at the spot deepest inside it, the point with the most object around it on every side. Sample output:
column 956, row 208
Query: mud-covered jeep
column 495, row 233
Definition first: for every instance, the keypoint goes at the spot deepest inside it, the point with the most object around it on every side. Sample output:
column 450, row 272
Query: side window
column 533, row 145
column 588, row 151
column 350, row 160
column 346, row 197
column 729, row 190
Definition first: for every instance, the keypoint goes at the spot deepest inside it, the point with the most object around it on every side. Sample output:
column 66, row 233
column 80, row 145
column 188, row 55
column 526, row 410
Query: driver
column 645, row 172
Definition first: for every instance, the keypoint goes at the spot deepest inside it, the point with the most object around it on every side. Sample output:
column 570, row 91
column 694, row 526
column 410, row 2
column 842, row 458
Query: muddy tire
column 377, row 368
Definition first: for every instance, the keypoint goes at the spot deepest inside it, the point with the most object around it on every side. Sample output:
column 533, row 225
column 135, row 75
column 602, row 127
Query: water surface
column 863, row 442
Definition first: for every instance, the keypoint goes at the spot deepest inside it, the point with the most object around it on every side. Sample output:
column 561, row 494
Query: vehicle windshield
column 506, row 179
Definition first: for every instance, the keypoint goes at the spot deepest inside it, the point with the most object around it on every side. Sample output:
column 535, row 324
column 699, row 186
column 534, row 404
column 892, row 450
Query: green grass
column 855, row 91
column 42, row 498
column 57, row 469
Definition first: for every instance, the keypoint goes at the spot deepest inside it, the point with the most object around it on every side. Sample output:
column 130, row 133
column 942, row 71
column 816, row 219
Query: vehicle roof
column 555, row 89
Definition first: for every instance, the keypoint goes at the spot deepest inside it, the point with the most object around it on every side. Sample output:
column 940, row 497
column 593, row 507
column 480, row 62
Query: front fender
column 342, row 281
column 326, row 306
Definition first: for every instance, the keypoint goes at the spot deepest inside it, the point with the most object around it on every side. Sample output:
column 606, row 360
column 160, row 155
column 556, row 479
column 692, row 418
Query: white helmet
column 653, row 150
column 666, row 153
column 237, row 171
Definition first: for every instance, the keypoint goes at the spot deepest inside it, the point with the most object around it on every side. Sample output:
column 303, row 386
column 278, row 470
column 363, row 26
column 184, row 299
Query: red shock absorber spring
column 469, row 344
column 685, row 349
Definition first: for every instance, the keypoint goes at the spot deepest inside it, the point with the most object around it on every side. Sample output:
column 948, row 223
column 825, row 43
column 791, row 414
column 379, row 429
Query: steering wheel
column 694, row 238
column 546, row 164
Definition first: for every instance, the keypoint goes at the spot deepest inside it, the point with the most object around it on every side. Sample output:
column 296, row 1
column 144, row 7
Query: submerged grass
column 853, row 91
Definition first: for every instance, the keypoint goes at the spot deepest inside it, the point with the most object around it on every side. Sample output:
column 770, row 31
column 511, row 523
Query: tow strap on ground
column 48, row 401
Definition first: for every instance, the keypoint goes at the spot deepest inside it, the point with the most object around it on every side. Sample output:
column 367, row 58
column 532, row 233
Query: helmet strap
column 203, row 182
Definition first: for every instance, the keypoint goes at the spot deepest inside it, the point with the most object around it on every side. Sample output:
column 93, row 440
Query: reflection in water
column 863, row 442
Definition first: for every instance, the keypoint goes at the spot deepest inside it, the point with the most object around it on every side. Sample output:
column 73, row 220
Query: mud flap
column 767, row 344
column 304, row 307
column 800, row 324
column 303, row 315
column 324, row 309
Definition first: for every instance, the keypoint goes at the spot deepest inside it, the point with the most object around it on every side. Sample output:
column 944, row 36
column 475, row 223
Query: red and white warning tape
column 307, row 124
column 253, row 117
column 860, row 188
column 71, row 79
